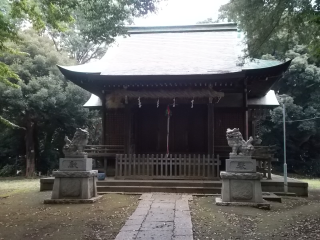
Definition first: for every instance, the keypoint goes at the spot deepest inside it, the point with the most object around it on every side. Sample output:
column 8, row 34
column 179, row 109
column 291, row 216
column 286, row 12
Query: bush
column 7, row 170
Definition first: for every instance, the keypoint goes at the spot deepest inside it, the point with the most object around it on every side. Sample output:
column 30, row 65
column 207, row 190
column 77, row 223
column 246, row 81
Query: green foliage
column 43, row 97
column 207, row 21
column 299, row 92
column 282, row 30
column 77, row 46
column 7, row 170
column 97, row 23
column 275, row 26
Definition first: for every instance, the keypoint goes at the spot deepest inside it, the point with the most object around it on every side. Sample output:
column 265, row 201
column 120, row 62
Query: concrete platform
column 184, row 186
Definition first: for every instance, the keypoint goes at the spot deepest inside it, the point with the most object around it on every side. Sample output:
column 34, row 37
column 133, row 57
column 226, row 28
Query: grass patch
column 313, row 183
column 13, row 186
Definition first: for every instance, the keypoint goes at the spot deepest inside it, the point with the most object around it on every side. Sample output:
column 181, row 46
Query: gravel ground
column 294, row 218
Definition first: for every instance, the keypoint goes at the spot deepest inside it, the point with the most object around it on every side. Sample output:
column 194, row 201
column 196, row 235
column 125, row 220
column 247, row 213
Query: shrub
column 7, row 170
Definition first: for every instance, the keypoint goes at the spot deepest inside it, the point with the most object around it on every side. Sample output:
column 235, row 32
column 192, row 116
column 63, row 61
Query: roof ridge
column 183, row 28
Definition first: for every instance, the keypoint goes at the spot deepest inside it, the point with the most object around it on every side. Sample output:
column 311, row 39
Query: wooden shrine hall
column 168, row 95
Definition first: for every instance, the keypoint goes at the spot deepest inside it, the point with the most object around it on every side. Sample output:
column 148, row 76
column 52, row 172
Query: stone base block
column 263, row 205
column 74, row 185
column 241, row 187
column 75, row 164
column 71, row 201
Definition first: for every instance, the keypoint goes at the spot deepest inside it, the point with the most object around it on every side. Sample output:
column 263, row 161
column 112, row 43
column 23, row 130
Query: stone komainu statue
column 75, row 147
column 238, row 144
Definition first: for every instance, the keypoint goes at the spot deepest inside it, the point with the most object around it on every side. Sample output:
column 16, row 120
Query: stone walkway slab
column 159, row 216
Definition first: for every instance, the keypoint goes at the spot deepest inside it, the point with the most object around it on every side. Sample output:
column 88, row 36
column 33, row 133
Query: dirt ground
column 294, row 218
column 24, row 216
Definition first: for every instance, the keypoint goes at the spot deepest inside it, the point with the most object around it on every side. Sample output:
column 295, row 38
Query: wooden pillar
column 104, row 122
column 210, row 127
column 245, row 109
column 127, row 128
column 253, row 124
column 104, row 128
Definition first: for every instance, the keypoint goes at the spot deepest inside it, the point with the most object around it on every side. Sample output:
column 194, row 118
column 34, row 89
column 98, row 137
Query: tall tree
column 276, row 26
column 44, row 106
column 104, row 20
column 298, row 90
column 287, row 29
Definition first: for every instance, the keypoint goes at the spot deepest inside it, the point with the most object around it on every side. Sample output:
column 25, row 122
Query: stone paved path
column 159, row 216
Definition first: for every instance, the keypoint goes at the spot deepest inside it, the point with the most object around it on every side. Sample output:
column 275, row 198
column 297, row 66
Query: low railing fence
column 155, row 166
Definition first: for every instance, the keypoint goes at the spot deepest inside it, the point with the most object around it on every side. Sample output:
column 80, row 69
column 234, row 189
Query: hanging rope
column 186, row 93
column 168, row 114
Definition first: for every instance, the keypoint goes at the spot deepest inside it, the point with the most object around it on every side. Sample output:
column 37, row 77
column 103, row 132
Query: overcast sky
column 179, row 12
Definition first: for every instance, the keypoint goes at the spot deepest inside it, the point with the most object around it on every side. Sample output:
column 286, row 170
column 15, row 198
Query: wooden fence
column 154, row 166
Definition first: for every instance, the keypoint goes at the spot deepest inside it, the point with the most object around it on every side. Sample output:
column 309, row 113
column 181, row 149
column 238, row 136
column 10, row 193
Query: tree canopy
column 96, row 21
column 282, row 30
column 36, row 102
column 276, row 26
column 45, row 106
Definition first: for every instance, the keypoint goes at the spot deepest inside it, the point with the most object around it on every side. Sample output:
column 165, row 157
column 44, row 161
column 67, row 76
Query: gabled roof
column 172, row 50
column 207, row 53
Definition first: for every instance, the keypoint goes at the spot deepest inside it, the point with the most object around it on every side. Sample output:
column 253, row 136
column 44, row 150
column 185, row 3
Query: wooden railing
column 154, row 166
column 103, row 150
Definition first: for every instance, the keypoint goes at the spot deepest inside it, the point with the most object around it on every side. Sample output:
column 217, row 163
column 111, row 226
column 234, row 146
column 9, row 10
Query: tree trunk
column 46, row 154
column 30, row 147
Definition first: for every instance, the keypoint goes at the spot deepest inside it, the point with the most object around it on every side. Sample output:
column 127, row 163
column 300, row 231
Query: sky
column 180, row 12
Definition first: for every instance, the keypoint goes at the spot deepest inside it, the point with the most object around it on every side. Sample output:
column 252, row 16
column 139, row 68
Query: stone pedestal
column 75, row 182
column 241, row 184
column 241, row 187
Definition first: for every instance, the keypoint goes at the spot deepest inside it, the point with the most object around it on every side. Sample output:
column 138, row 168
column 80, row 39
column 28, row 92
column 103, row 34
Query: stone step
column 136, row 189
column 275, row 185
column 161, row 183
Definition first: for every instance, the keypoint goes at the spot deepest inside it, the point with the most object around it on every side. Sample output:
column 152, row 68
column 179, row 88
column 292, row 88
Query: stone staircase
column 182, row 186
column 168, row 186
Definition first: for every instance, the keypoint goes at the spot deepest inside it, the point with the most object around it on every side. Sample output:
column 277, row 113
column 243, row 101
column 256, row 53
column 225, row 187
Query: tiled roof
column 176, row 50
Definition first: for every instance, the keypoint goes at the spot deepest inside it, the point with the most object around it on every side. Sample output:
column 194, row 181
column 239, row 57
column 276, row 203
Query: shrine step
column 275, row 185
column 161, row 183
column 140, row 189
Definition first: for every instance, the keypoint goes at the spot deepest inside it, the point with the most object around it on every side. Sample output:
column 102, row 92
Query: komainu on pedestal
column 241, row 184
column 75, row 182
